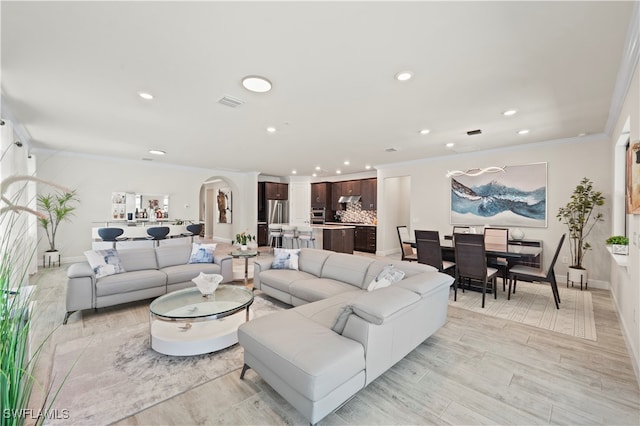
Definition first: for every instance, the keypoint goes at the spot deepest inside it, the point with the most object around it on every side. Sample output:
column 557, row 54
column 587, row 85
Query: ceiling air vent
column 390, row 149
column 474, row 132
column 230, row 101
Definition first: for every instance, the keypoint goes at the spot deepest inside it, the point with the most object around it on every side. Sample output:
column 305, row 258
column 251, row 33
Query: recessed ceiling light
column 293, row 172
column 582, row 134
column 404, row 75
column 509, row 112
column 346, row 163
column 145, row 95
column 338, row 172
column 367, row 167
column 157, row 152
column 523, row 131
column 318, row 168
column 314, row 175
column 256, row 83
column 425, row 131
column 271, row 129
column 450, row 145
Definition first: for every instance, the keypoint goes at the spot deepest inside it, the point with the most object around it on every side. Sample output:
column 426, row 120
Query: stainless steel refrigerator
column 277, row 211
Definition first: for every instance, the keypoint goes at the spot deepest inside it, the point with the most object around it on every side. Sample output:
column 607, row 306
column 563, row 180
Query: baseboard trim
column 635, row 362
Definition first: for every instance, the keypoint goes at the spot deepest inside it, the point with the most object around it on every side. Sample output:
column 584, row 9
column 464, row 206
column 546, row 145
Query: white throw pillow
column 104, row 262
column 285, row 259
column 202, row 253
column 386, row 277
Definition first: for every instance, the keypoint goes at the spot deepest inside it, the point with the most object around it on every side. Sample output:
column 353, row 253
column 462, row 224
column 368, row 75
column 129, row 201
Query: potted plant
column 619, row 244
column 579, row 217
column 55, row 208
column 243, row 238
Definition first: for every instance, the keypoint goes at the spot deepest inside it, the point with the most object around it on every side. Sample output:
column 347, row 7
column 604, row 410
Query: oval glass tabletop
column 190, row 303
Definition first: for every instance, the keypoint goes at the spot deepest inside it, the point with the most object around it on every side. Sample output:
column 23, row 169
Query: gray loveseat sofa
column 150, row 272
column 339, row 337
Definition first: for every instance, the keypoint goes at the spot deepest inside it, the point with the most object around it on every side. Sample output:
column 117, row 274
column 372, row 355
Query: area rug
column 117, row 375
column 533, row 305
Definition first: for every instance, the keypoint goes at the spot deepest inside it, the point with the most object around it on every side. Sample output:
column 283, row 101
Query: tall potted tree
column 580, row 218
column 55, row 209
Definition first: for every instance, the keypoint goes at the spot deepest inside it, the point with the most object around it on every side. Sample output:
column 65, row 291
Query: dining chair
column 498, row 239
column 471, row 262
column 405, row 248
column 430, row 253
column 528, row 273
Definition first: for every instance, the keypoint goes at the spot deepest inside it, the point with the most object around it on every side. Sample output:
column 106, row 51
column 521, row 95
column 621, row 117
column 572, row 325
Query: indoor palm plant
column 56, row 208
column 580, row 217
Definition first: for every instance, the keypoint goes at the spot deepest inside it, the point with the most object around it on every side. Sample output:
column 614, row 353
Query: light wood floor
column 475, row 370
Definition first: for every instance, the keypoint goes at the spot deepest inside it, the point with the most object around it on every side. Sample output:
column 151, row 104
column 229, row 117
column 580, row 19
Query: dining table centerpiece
column 243, row 238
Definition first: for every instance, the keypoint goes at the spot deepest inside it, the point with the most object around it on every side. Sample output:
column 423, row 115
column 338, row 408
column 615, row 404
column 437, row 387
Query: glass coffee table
column 184, row 322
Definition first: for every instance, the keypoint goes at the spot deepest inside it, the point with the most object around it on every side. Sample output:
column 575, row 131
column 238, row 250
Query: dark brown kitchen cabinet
column 351, row 187
column 369, row 194
column 321, row 195
column 339, row 240
column 276, row 191
column 365, row 239
column 262, row 234
column 262, row 203
column 336, row 193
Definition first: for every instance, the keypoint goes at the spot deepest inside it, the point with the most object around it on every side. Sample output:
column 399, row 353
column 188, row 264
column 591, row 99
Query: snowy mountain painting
column 515, row 197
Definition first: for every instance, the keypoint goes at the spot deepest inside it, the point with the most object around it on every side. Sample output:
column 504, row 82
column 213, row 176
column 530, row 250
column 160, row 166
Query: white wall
column 95, row 178
column 394, row 211
column 567, row 163
column 625, row 281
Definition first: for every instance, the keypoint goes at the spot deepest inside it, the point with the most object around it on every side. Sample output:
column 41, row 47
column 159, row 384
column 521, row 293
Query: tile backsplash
column 354, row 213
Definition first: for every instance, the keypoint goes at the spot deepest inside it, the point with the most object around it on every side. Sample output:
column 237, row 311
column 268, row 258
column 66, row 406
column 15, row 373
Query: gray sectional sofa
column 150, row 272
column 339, row 337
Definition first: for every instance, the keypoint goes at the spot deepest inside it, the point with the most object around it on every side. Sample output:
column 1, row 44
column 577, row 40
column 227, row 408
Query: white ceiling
column 71, row 72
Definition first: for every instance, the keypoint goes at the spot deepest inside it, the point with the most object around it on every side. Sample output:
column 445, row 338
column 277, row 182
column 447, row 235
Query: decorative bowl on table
column 207, row 283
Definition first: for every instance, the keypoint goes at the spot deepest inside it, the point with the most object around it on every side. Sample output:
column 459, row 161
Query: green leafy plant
column 618, row 240
column 57, row 208
column 579, row 217
column 244, row 237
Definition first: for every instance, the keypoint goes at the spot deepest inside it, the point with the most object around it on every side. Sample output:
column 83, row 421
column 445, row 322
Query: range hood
column 349, row 199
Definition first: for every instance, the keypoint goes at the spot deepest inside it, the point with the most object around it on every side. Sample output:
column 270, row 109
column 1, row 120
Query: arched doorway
column 216, row 208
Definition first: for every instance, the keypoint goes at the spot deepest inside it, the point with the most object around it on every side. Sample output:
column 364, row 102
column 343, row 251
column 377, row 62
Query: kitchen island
column 338, row 238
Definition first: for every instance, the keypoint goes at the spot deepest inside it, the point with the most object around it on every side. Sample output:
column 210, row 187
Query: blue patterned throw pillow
column 104, row 262
column 285, row 259
column 202, row 253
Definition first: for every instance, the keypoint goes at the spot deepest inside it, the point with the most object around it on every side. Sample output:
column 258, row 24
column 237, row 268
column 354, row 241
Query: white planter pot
column 49, row 258
column 619, row 249
column 577, row 275
column 243, row 247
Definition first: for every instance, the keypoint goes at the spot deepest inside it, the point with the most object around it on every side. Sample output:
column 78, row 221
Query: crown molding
column 627, row 68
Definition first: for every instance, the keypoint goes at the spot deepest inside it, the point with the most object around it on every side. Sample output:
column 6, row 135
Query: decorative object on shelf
column 224, row 205
column 55, row 208
column 579, row 217
column 243, row 238
column 515, row 197
column 517, row 234
column 207, row 283
column 633, row 178
column 619, row 244
column 474, row 172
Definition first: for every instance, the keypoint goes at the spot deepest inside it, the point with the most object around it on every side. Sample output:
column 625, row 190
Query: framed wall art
column 224, row 205
column 633, row 178
column 514, row 196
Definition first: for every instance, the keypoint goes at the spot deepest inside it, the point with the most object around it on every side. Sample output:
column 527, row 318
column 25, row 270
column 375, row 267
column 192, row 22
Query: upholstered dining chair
column 498, row 239
column 430, row 253
column 471, row 262
column 111, row 234
column 157, row 233
column 528, row 273
column 405, row 248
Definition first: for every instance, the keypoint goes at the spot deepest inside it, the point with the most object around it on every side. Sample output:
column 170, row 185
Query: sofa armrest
column 80, row 270
column 81, row 285
column 260, row 265
column 226, row 267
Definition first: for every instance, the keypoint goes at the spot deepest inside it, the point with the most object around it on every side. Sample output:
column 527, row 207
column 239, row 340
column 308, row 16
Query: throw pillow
column 104, row 262
column 386, row 277
column 285, row 258
column 202, row 253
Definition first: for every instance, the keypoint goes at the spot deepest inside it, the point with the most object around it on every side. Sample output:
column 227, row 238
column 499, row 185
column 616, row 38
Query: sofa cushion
column 425, row 283
column 281, row 279
column 130, row 281
column 202, row 253
column 347, row 268
column 183, row 273
column 314, row 289
column 172, row 255
column 325, row 311
column 138, row 259
column 314, row 369
column 312, row 260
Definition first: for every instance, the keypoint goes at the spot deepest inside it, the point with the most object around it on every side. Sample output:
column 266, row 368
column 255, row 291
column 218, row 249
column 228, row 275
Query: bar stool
column 111, row 234
column 157, row 233
column 193, row 230
column 275, row 235
column 305, row 235
column 288, row 236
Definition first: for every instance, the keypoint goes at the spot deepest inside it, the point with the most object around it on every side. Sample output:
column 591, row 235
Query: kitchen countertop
column 333, row 226
column 350, row 224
